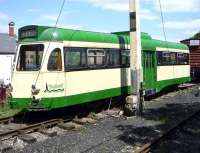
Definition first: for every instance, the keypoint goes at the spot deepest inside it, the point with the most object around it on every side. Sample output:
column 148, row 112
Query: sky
column 181, row 17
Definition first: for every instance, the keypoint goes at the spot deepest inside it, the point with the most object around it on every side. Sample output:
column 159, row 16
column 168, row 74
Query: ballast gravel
column 121, row 134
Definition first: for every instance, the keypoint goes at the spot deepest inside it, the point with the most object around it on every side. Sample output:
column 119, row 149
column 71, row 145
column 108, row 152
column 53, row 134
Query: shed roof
column 7, row 44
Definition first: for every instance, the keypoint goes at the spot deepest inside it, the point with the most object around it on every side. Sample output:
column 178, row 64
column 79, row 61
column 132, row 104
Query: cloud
column 171, row 6
column 51, row 17
column 70, row 26
column 167, row 5
column 148, row 15
column 114, row 5
column 183, row 25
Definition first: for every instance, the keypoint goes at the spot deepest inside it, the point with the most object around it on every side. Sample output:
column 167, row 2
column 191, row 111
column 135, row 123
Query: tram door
column 149, row 69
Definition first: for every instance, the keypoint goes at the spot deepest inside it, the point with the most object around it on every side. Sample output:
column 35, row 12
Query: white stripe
column 93, row 44
column 171, row 50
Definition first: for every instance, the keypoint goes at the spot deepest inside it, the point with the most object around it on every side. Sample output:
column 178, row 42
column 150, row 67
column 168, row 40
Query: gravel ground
column 184, row 140
column 120, row 134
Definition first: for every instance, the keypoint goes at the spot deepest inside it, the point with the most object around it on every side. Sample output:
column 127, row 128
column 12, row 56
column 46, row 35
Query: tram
column 58, row 67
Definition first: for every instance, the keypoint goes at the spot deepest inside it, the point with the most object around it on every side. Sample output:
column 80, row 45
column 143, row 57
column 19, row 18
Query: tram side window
column 173, row 58
column 55, row 60
column 96, row 58
column 75, row 58
column 30, row 57
column 166, row 58
column 159, row 58
column 125, row 58
column 182, row 58
column 113, row 57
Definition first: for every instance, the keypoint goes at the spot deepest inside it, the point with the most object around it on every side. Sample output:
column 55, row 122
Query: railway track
column 6, row 119
column 149, row 147
column 31, row 128
column 25, row 132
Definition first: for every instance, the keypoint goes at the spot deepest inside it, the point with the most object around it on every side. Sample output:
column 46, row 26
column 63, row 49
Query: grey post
column 135, row 56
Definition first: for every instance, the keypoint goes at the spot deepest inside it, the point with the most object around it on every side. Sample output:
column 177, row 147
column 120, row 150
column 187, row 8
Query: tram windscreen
column 30, row 57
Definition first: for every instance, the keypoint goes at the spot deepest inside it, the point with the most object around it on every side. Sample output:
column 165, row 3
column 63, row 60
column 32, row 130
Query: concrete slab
column 69, row 126
column 49, row 133
column 83, row 121
column 98, row 116
column 27, row 138
column 4, row 147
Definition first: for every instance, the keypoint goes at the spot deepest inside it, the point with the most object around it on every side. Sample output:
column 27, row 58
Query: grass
column 6, row 111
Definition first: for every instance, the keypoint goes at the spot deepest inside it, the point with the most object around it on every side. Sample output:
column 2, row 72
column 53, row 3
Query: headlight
column 34, row 90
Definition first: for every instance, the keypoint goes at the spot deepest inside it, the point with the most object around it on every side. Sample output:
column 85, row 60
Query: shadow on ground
column 157, row 120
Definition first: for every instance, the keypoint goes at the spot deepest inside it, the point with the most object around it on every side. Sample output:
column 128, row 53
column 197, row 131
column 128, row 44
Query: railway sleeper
column 48, row 133
column 27, row 138
column 69, row 126
column 83, row 121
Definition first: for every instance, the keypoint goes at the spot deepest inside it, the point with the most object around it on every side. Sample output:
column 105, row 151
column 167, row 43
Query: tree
column 197, row 36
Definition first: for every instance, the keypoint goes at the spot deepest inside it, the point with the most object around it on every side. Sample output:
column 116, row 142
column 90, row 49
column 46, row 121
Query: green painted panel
column 149, row 69
column 59, row 34
column 57, row 102
column 163, row 84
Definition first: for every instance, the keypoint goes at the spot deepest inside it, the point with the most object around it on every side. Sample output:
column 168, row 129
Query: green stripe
column 57, row 102
column 163, row 84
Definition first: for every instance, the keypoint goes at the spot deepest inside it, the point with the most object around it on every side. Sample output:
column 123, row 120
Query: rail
column 149, row 146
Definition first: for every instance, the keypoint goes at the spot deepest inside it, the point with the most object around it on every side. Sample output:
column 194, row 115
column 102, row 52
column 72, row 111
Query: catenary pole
column 135, row 56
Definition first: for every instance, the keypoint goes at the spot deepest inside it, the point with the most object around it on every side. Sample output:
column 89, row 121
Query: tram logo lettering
column 54, row 88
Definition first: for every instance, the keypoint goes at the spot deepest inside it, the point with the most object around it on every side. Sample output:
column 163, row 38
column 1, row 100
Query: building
column 7, row 53
column 194, row 46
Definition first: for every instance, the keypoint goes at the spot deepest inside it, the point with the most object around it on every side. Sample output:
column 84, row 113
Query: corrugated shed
column 195, row 56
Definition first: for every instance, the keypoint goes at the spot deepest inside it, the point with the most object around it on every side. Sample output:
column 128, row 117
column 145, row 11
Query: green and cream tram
column 58, row 67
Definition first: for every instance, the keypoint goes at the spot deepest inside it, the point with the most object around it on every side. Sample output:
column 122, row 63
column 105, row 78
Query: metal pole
column 135, row 56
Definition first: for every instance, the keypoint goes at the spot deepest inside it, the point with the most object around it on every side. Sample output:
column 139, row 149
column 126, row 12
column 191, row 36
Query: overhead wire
column 163, row 22
column 54, row 28
column 57, row 20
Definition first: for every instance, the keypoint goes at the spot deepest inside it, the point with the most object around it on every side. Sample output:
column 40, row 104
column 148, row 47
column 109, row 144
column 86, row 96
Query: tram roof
column 43, row 33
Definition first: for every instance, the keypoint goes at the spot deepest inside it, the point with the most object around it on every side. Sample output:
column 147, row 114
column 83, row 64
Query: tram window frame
column 166, row 58
column 21, row 61
column 83, row 59
column 113, row 58
column 58, row 61
column 184, row 61
column 175, row 61
column 127, row 56
column 92, row 54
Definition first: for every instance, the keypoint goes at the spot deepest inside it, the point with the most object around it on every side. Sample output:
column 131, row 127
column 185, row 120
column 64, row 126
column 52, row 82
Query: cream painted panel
column 165, row 73
column 94, row 80
column 55, row 79
column 171, row 50
column 22, row 82
column 172, row 72
column 181, row 71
